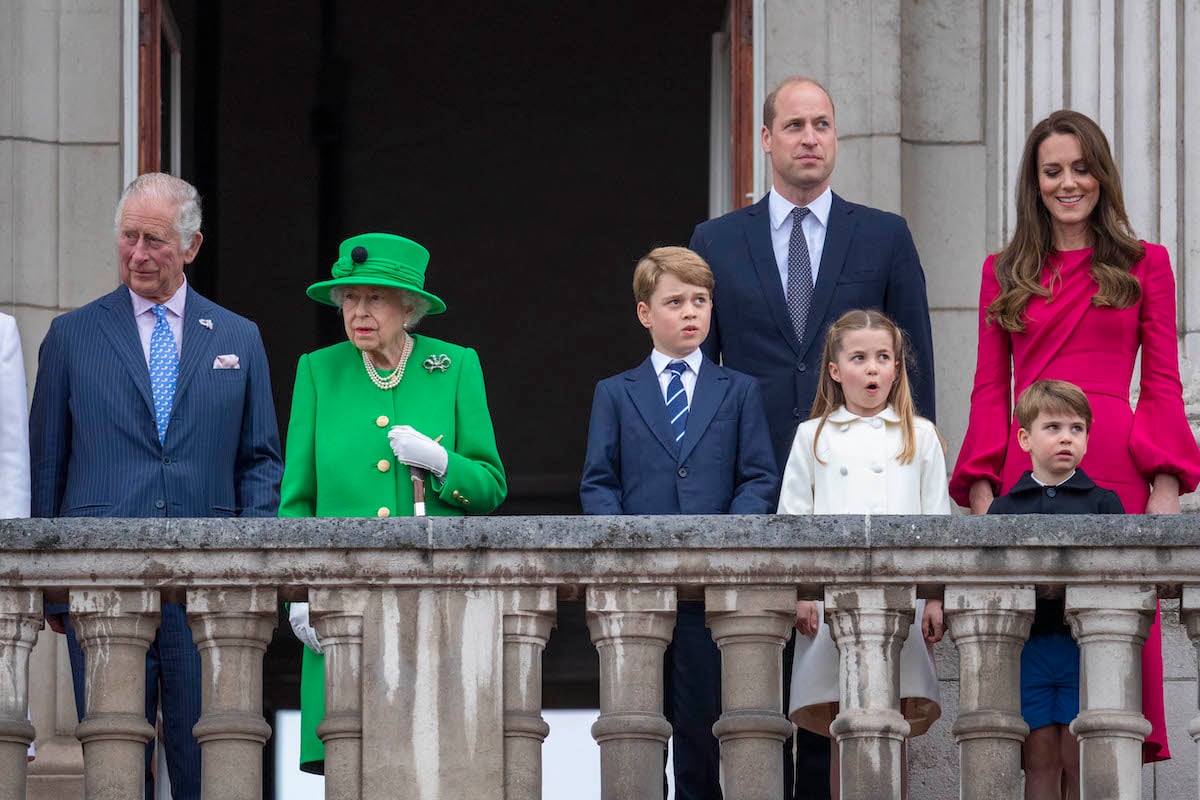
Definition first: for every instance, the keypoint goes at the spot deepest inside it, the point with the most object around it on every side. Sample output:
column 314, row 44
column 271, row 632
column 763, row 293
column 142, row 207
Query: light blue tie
column 677, row 402
column 164, row 367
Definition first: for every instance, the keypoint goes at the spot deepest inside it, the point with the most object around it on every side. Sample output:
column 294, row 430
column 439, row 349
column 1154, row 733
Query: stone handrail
column 433, row 630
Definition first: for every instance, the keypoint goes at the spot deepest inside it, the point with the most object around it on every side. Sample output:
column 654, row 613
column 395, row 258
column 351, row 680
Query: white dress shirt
column 143, row 315
column 660, row 361
column 814, row 225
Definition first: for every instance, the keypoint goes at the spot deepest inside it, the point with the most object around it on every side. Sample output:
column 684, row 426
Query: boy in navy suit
column 680, row 434
column 1054, row 417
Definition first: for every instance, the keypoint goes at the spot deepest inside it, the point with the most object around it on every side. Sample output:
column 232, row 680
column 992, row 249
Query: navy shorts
column 1049, row 680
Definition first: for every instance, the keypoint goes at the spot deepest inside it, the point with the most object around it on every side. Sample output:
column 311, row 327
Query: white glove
column 417, row 450
column 305, row 632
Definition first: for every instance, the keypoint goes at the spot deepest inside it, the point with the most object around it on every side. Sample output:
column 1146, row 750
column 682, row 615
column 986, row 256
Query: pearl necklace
column 392, row 380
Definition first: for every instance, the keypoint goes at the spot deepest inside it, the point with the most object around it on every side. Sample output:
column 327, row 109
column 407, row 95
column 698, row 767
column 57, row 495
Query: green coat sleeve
column 298, row 492
column 474, row 480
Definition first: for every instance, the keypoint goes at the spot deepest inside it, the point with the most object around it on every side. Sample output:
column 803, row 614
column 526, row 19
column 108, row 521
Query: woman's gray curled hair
column 419, row 304
column 160, row 186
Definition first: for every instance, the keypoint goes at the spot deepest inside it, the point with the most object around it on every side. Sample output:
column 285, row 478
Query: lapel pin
column 207, row 323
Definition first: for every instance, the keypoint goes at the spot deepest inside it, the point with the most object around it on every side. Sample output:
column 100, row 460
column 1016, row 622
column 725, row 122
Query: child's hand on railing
column 932, row 626
column 806, row 617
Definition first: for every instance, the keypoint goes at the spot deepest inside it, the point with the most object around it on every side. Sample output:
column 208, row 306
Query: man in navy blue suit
column 153, row 401
column 680, row 434
column 789, row 265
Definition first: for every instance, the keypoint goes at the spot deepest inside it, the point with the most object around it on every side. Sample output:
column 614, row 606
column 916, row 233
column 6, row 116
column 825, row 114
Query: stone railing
column 433, row 631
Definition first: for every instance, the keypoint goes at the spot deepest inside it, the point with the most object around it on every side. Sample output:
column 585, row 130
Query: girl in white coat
column 864, row 451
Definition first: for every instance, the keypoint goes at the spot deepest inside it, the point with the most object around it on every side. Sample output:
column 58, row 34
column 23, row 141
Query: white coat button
column 877, row 468
column 876, row 422
column 844, row 471
column 845, row 427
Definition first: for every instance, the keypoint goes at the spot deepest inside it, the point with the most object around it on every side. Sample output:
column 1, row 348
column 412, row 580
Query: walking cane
column 418, row 479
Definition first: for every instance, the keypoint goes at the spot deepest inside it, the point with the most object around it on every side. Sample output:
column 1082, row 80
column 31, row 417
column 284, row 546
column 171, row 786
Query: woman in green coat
column 367, row 410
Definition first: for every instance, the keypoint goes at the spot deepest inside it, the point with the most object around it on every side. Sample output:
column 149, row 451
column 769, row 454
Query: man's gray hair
column 180, row 193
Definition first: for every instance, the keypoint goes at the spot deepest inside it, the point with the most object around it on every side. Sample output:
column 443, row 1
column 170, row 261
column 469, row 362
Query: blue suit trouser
column 172, row 662
column 692, row 703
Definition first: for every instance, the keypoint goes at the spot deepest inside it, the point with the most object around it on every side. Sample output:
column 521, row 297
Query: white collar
column 842, row 414
column 660, row 360
column 175, row 304
column 781, row 208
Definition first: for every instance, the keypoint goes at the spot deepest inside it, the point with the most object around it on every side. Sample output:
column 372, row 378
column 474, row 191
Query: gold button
column 454, row 494
column 384, row 465
column 383, row 512
column 466, row 502
column 381, row 421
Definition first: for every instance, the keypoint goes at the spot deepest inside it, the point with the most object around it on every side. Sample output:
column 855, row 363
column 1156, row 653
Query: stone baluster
column 1189, row 610
column 529, row 615
column 20, row 621
column 989, row 625
column 115, row 628
column 869, row 624
column 337, row 615
column 631, row 628
column 751, row 625
column 232, row 628
column 1111, row 624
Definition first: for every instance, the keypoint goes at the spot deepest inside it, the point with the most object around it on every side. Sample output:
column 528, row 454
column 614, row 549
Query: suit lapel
column 642, row 386
column 711, row 385
column 196, row 338
column 117, row 324
column 833, row 260
column 762, row 253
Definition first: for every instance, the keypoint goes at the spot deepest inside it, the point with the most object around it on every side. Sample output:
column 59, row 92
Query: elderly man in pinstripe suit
column 153, row 401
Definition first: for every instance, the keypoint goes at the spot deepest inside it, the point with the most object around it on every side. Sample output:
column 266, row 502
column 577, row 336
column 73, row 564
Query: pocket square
column 229, row 361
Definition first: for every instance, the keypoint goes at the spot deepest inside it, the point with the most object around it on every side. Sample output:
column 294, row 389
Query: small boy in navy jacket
column 1054, row 417
column 680, row 434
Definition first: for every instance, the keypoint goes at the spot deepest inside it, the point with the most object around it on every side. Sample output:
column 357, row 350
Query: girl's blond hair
column 831, row 396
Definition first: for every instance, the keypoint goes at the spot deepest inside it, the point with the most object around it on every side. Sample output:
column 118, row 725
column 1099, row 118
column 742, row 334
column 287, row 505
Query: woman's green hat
column 379, row 259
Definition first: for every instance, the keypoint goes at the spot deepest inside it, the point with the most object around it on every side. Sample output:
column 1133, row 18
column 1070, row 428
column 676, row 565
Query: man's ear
column 189, row 255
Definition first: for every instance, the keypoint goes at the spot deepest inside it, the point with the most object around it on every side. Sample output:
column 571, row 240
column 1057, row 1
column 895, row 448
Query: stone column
column 1189, row 610
column 115, row 628
column 1110, row 623
column 751, row 625
column 20, row 621
column 869, row 624
column 337, row 615
column 989, row 625
column 529, row 615
column 232, row 628
column 631, row 627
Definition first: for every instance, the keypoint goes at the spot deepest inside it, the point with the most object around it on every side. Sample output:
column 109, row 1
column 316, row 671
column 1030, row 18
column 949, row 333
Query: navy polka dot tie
column 800, row 283
column 164, row 367
column 677, row 402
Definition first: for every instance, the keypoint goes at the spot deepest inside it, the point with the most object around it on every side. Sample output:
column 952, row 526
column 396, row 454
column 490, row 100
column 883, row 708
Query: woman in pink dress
column 1073, row 296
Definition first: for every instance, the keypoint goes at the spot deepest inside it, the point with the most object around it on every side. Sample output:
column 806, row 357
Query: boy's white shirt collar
column 843, row 414
column 660, row 360
column 780, row 208
column 1043, row 483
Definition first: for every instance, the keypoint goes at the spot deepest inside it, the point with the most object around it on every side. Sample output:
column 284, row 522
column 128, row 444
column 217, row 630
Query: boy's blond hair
column 681, row 262
column 1050, row 396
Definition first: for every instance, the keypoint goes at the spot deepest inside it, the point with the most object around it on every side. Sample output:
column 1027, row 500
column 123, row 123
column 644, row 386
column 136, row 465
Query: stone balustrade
column 434, row 629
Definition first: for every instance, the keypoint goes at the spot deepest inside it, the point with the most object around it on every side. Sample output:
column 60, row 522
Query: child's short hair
column 1048, row 397
column 681, row 262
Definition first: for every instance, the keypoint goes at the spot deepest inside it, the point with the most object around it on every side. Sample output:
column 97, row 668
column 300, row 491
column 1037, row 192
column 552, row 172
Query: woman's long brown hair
column 1115, row 248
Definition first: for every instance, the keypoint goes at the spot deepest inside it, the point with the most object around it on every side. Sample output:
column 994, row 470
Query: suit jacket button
column 381, row 421
column 801, row 367
column 166, row 460
column 683, row 472
column 1051, row 491
column 159, row 504
column 796, row 413
column 383, row 512
column 384, row 465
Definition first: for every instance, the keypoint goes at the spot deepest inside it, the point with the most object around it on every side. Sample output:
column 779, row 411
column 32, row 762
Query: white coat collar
column 843, row 415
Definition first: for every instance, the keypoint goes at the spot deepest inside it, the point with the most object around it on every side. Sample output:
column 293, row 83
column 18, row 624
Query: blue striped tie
column 164, row 368
column 677, row 402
